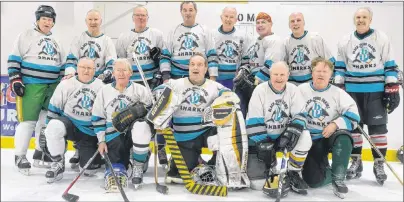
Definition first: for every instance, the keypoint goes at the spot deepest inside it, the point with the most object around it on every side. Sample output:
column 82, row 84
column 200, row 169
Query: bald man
column 231, row 45
column 301, row 47
column 275, row 122
column 96, row 46
column 366, row 68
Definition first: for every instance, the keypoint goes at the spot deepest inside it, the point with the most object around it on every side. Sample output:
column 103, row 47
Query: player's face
column 93, row 21
column 140, row 17
column 188, row 13
column 279, row 76
column 85, row 70
column 229, row 17
column 321, row 75
column 197, row 69
column 362, row 20
column 45, row 24
column 263, row 27
column 121, row 74
column 296, row 23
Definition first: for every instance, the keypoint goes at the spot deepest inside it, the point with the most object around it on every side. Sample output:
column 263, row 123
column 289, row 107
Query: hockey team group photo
column 202, row 100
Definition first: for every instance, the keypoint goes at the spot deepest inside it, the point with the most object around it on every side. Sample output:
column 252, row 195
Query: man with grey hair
column 301, row 47
column 275, row 122
column 367, row 70
column 184, row 41
column 95, row 45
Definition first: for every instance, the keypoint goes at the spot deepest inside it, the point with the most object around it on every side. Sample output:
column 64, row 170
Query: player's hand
column 102, row 147
column 67, row 76
column 329, row 130
column 165, row 81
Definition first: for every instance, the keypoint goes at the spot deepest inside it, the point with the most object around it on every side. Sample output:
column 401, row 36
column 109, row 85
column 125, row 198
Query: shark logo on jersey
column 92, row 50
column 91, row 53
column 363, row 56
column 195, row 99
column 252, row 53
column 279, row 116
column 49, row 49
column 141, row 47
column 121, row 105
column 188, row 41
column 85, row 100
column 317, row 110
column 300, row 54
column 228, row 50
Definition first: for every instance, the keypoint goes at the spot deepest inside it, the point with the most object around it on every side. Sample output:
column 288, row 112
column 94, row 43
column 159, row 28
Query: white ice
column 17, row 187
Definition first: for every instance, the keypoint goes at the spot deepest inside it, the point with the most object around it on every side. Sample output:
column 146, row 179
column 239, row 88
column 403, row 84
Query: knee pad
column 377, row 129
column 304, row 143
column 338, row 133
column 55, row 130
column 141, row 132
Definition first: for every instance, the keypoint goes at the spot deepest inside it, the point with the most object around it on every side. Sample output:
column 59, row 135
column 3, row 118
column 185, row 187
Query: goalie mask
column 204, row 175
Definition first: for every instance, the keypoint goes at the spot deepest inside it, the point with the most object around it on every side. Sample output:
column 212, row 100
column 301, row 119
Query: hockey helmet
column 45, row 11
column 400, row 154
column 204, row 175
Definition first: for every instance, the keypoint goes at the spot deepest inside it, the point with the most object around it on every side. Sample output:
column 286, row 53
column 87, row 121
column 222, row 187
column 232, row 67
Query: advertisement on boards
column 8, row 111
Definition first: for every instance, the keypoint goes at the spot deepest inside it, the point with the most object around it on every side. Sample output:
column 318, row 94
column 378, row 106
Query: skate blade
column 170, row 180
column 52, row 180
column 339, row 195
column 24, row 171
column 299, row 191
column 74, row 166
column 41, row 164
column 380, row 182
column 353, row 176
column 137, row 186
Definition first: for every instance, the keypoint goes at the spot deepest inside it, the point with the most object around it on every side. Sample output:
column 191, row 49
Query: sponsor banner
column 8, row 112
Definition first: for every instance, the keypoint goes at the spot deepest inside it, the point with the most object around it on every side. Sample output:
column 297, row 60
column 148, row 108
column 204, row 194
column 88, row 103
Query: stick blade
column 162, row 189
column 70, row 197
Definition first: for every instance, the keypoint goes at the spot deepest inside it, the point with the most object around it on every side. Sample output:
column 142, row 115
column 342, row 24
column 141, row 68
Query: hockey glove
column 165, row 75
column 155, row 53
column 17, row 87
column 106, row 77
column 290, row 137
column 156, row 80
column 244, row 82
column 123, row 119
column 266, row 152
column 391, row 97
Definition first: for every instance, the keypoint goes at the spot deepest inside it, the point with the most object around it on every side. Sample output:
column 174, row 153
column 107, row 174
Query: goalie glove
column 123, row 119
column 106, row 77
column 244, row 82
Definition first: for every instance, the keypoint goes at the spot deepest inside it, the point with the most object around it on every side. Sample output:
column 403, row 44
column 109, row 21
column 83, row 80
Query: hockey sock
column 340, row 156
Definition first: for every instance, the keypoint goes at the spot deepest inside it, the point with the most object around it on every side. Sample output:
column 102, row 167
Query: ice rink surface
column 17, row 187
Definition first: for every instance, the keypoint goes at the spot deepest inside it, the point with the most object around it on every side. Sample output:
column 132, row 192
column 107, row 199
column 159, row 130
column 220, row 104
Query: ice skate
column 23, row 165
column 356, row 168
column 378, row 170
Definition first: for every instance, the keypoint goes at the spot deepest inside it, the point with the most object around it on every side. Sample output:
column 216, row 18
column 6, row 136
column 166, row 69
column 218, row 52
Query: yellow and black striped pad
column 190, row 184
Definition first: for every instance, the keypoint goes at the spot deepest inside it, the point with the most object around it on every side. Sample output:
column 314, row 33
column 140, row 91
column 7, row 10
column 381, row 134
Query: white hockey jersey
column 182, row 43
column 37, row 58
column 299, row 52
column 331, row 104
column 100, row 48
column 74, row 100
column 110, row 101
column 263, row 53
column 140, row 44
column 231, row 47
column 188, row 118
column 270, row 111
column 365, row 64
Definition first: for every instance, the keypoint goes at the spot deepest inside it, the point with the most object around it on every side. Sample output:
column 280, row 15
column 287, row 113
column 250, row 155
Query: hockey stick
column 71, row 197
column 190, row 184
column 159, row 187
column 379, row 153
column 109, row 164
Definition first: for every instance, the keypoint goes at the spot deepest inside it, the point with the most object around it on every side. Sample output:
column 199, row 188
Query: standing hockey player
column 184, row 41
column 276, row 121
column 69, row 118
column 263, row 52
column 147, row 44
column 231, row 46
column 35, row 66
column 194, row 94
column 367, row 70
column 301, row 47
column 117, row 99
column 331, row 115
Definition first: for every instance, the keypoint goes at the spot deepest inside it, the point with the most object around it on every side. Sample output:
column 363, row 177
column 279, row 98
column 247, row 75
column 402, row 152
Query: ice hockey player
column 126, row 101
column 301, row 47
column 276, row 121
column 331, row 116
column 35, row 51
column 366, row 69
column 69, row 118
column 185, row 40
column 262, row 53
column 189, row 97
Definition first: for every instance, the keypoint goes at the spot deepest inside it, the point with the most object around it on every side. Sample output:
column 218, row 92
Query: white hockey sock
column 23, row 133
column 55, row 133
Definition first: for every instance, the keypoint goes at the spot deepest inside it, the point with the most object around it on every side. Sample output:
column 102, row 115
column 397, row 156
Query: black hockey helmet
column 45, row 11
